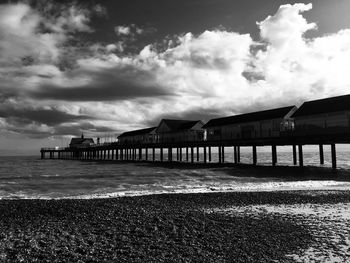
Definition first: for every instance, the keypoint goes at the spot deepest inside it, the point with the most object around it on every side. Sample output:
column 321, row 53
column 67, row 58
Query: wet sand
column 214, row 227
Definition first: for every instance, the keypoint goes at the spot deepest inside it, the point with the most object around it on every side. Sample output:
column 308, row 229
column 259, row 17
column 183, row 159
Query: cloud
column 122, row 30
column 100, row 81
column 207, row 75
column 47, row 116
column 295, row 68
column 287, row 26
column 133, row 30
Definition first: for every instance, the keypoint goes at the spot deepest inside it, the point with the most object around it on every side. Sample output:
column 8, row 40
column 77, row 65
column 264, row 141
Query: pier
column 319, row 122
column 199, row 152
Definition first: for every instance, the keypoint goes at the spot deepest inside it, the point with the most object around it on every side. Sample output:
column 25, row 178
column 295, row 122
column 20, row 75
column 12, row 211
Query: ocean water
column 30, row 177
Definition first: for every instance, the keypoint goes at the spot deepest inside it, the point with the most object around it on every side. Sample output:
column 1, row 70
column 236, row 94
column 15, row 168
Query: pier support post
column 140, row 154
column 274, row 155
column 294, row 154
column 334, row 156
column 223, row 154
column 116, row 154
column 177, row 154
column 238, row 154
column 254, row 155
column 321, row 153
column 170, row 154
column 180, row 154
column 153, row 154
column 197, row 154
column 235, row 154
column 161, row 154
column 192, row 157
column 209, row 153
column 112, row 154
column 42, row 155
column 219, row 152
column 301, row 157
column 186, row 154
column 146, row 154
column 205, row 154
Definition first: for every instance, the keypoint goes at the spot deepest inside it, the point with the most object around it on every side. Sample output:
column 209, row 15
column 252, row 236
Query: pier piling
column 301, row 157
column 254, row 155
column 294, row 154
column 334, row 156
column 320, row 146
column 274, row 155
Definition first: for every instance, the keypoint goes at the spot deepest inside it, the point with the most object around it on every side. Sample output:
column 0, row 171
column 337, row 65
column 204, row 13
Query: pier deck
column 146, row 152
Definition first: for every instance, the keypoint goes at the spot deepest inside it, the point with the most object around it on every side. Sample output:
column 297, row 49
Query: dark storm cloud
column 106, row 85
column 77, row 129
column 57, row 130
column 49, row 117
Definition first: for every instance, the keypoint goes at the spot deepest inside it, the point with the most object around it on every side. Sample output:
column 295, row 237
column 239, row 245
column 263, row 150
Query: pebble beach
column 283, row 226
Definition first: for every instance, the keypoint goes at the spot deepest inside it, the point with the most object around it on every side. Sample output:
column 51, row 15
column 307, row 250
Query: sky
column 105, row 67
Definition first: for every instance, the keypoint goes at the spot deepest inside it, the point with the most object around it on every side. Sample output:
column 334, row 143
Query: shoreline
column 224, row 227
column 117, row 195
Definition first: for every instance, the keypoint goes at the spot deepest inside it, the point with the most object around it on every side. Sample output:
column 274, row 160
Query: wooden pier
column 147, row 151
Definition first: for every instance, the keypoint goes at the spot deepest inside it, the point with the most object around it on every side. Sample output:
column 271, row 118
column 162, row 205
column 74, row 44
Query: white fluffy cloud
column 213, row 73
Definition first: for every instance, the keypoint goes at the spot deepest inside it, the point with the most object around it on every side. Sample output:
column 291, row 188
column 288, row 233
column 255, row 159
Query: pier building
column 324, row 116
column 180, row 131
column 141, row 136
column 81, row 142
column 261, row 124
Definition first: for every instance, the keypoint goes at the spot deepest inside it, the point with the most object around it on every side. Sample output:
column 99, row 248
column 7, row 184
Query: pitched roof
column 137, row 132
column 249, row 117
column 339, row 103
column 179, row 125
column 80, row 140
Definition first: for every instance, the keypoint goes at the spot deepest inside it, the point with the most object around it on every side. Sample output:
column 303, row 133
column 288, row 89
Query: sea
column 29, row 177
